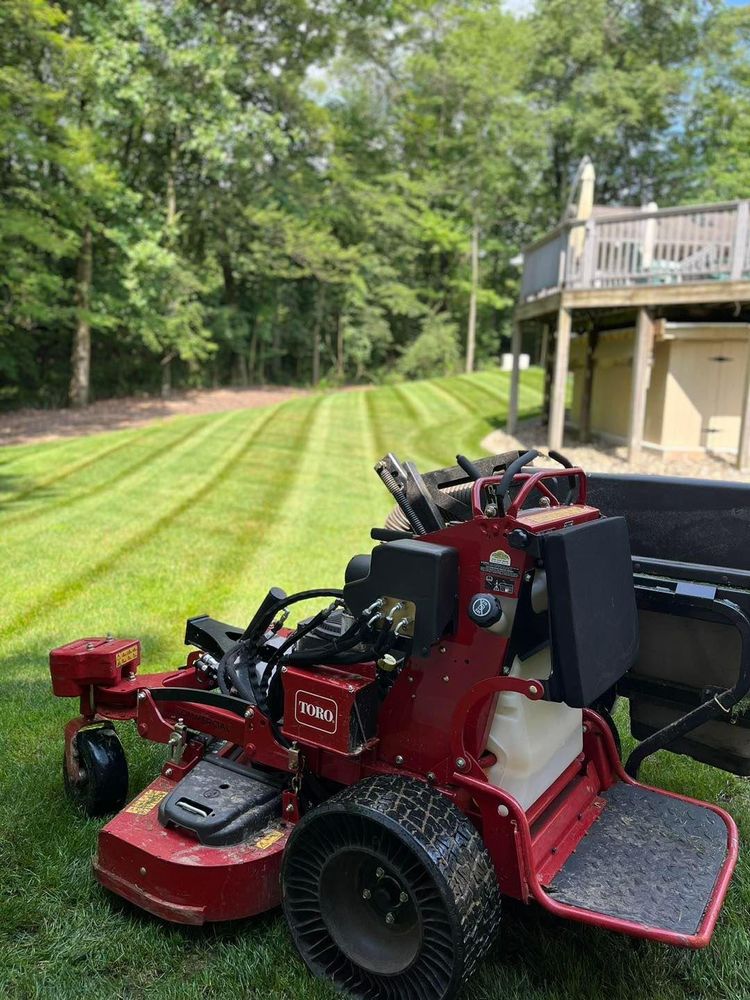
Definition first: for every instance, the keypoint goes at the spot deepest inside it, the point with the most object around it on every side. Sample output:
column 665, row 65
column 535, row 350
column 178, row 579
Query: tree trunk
column 471, row 333
column 241, row 368
column 253, row 354
column 81, row 354
column 339, row 347
column 262, row 362
column 166, row 375
column 316, row 335
column 230, row 286
column 276, row 344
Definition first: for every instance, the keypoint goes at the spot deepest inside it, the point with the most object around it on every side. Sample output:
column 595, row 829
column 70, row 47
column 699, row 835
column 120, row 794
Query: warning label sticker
column 495, row 569
column 496, row 585
column 145, row 802
column 126, row 655
column 269, row 840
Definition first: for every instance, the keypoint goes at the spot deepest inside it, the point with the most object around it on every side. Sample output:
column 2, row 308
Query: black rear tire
column 389, row 892
column 100, row 783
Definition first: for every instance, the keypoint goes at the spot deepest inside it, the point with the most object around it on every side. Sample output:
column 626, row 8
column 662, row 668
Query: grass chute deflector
column 434, row 738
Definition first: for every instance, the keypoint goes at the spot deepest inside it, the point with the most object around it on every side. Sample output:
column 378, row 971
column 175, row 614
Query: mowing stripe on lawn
column 63, row 593
column 454, row 398
column 69, row 470
column 63, row 528
column 484, row 396
column 204, row 561
column 296, row 524
column 119, row 478
column 407, row 403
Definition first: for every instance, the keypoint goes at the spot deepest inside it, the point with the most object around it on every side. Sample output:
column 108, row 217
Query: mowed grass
column 134, row 531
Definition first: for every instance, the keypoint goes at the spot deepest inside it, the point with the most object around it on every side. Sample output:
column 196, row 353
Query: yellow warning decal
column 146, row 802
column 270, row 838
column 126, row 655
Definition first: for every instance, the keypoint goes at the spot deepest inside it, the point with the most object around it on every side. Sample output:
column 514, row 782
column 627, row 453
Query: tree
column 715, row 164
column 35, row 236
column 609, row 80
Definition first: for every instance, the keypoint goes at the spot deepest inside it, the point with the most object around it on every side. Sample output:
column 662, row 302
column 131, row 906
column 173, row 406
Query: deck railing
column 650, row 246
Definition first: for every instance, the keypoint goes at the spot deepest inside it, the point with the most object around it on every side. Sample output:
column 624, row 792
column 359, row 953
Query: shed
column 695, row 385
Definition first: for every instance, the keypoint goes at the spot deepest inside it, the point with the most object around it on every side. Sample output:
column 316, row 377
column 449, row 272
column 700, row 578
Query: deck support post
column 556, row 426
column 642, row 354
column 515, row 374
column 743, row 450
column 584, row 420
column 544, row 347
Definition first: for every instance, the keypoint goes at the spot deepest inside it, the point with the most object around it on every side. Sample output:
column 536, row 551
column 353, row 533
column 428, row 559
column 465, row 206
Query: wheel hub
column 388, row 898
column 369, row 911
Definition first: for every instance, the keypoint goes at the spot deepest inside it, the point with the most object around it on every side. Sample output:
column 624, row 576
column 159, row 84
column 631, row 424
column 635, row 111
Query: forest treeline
column 198, row 193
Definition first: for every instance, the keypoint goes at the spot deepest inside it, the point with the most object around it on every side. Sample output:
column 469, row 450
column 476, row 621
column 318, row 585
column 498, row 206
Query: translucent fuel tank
column 533, row 741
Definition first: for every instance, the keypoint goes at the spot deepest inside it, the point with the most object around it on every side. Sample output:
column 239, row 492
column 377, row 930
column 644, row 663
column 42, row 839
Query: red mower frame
column 432, row 727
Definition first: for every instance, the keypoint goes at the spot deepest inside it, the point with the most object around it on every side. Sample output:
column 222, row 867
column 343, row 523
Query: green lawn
column 132, row 532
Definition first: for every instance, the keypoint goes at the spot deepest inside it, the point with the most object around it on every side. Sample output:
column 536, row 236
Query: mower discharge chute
column 420, row 747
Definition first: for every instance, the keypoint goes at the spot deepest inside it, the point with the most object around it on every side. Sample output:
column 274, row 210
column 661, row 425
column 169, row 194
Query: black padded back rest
column 592, row 609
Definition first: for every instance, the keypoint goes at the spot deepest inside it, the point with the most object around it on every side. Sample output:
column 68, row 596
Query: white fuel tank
column 534, row 741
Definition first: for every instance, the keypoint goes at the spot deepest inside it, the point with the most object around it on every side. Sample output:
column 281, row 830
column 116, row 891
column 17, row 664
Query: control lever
column 263, row 617
column 469, row 468
column 515, row 466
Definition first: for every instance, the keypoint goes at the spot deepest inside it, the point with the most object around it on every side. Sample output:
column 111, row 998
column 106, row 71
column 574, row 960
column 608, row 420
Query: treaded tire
column 101, row 784
column 426, row 852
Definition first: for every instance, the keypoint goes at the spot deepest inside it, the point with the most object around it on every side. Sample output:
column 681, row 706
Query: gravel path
column 602, row 457
column 23, row 426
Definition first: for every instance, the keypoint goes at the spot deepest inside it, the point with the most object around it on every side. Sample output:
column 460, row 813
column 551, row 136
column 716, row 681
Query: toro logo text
column 315, row 711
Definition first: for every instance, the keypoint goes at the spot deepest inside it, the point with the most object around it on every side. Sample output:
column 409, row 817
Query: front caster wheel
column 97, row 783
column 389, row 891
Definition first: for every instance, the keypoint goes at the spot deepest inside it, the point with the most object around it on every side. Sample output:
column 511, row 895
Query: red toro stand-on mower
column 435, row 738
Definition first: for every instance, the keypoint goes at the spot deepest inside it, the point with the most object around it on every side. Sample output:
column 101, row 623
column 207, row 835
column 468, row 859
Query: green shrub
column 435, row 351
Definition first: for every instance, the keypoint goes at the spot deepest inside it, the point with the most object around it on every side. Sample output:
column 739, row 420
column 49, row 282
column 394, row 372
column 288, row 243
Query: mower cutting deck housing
column 397, row 762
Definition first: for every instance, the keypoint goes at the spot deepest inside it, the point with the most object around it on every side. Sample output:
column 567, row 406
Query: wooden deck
column 640, row 258
column 635, row 296
column 637, row 260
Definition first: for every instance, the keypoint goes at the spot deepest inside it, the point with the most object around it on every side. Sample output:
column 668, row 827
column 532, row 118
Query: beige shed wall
column 694, row 400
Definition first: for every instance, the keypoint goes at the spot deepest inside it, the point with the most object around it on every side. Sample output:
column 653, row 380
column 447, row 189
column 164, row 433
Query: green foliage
column 716, row 141
column 288, row 191
column 435, row 350
column 610, row 80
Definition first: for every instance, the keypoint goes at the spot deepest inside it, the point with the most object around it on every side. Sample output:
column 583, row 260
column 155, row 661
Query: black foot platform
column 650, row 859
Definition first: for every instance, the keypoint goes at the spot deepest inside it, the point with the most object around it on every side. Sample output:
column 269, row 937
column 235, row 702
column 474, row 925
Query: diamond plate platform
column 649, row 858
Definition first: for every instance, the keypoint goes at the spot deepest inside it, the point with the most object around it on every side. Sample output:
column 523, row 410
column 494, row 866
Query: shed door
column 728, row 359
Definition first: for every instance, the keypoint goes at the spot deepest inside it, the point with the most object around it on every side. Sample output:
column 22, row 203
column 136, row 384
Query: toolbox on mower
column 434, row 738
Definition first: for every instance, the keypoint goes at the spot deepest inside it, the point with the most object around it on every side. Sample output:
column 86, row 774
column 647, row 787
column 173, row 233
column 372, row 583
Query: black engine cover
column 421, row 572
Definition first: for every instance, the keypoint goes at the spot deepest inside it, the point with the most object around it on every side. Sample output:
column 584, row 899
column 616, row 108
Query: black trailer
column 690, row 539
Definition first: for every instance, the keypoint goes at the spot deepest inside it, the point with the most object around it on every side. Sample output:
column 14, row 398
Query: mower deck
column 168, row 873
column 650, row 859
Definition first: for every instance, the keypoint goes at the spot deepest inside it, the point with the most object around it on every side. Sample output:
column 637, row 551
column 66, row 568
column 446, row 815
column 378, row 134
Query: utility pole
column 471, row 333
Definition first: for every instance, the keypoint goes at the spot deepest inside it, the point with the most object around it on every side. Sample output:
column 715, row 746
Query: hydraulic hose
column 259, row 625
